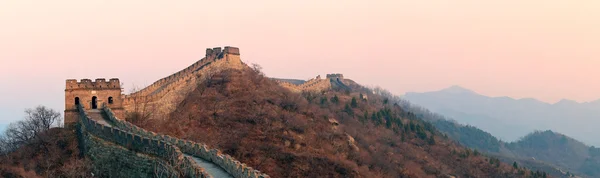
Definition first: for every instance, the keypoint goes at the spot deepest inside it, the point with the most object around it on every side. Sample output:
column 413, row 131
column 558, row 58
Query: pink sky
column 544, row 49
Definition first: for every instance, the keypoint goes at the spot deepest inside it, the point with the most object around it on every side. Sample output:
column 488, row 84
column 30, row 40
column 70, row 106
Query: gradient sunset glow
column 544, row 49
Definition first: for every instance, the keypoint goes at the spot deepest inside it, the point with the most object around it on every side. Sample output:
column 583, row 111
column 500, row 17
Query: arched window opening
column 76, row 101
column 110, row 100
column 94, row 102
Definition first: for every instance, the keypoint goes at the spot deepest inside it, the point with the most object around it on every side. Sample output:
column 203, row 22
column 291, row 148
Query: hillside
column 551, row 152
column 55, row 154
column 538, row 149
column 523, row 116
column 559, row 149
column 332, row 133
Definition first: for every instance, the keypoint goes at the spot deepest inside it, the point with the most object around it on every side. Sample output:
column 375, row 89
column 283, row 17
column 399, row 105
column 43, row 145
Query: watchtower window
column 110, row 100
column 76, row 101
column 94, row 102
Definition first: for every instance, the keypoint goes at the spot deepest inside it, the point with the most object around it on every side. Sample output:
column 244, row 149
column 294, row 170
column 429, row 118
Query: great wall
column 316, row 84
column 96, row 109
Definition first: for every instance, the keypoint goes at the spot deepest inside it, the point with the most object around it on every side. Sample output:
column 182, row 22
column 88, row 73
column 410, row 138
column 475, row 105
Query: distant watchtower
column 91, row 95
column 335, row 76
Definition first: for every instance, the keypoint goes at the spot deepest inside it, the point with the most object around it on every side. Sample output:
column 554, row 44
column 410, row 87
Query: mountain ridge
column 315, row 128
column 572, row 158
column 464, row 90
column 526, row 115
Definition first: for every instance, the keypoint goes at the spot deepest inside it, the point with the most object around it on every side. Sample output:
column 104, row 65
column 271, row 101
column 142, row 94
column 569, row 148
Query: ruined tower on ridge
column 91, row 95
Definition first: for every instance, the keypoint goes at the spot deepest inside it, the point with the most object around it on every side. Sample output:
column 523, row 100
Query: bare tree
column 43, row 118
column 141, row 112
column 257, row 68
column 6, row 145
column 36, row 122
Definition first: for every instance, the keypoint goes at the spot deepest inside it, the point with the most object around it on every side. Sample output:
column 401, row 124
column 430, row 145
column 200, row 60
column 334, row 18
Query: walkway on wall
column 212, row 169
column 97, row 116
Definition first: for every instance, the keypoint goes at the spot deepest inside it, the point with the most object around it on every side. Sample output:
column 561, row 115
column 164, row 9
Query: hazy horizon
column 536, row 49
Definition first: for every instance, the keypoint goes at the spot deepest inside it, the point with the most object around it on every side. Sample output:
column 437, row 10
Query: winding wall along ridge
column 228, row 163
column 173, row 77
column 138, row 143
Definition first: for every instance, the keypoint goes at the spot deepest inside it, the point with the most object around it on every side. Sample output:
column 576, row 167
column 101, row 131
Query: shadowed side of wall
column 144, row 153
column 228, row 163
column 163, row 95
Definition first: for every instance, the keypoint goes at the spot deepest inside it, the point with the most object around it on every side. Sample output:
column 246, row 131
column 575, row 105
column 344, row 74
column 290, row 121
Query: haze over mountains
column 510, row 119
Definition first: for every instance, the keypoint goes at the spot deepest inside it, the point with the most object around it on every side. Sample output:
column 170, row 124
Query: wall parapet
column 211, row 55
column 138, row 143
column 99, row 84
column 333, row 76
column 228, row 163
column 312, row 85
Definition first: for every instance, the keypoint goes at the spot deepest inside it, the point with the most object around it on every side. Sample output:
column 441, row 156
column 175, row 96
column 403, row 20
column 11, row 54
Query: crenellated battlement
column 200, row 150
column 167, row 153
column 217, row 53
column 87, row 95
column 314, row 84
column 91, row 94
column 98, row 84
column 335, row 76
column 231, row 50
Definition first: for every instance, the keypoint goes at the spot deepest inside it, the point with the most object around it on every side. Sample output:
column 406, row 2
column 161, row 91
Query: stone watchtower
column 337, row 77
column 92, row 95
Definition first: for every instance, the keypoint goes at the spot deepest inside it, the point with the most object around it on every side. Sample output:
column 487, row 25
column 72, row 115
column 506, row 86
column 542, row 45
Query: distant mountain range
column 510, row 119
column 560, row 150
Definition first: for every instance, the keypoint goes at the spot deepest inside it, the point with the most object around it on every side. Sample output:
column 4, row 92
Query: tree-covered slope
column 334, row 133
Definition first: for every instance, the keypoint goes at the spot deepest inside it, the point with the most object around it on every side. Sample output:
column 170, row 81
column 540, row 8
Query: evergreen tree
column 335, row 99
column 431, row 140
column 349, row 110
column 374, row 118
column 354, row 104
column 323, row 101
column 515, row 165
column 421, row 134
column 388, row 123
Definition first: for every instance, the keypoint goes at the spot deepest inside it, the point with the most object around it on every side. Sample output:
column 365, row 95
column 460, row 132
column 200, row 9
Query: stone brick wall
column 316, row 85
column 290, row 86
column 123, row 138
column 228, row 163
column 84, row 92
column 164, row 151
column 110, row 160
column 163, row 95
column 335, row 76
column 211, row 55
column 313, row 85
